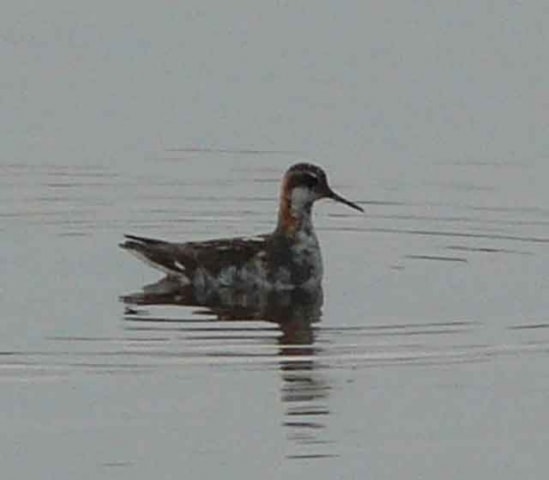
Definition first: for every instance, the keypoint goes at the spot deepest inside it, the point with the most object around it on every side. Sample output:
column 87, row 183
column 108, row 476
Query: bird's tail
column 156, row 253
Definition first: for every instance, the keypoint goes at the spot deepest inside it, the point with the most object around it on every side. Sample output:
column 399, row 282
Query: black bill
column 340, row 199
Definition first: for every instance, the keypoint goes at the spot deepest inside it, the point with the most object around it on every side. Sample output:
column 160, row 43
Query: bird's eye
column 309, row 180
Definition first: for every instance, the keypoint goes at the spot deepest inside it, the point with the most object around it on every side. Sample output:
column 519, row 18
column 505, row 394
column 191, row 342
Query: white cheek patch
column 302, row 197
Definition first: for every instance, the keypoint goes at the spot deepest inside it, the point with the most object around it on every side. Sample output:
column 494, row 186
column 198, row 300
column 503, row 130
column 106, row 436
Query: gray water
column 427, row 355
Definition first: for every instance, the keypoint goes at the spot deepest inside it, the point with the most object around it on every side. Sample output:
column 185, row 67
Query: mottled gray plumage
column 287, row 258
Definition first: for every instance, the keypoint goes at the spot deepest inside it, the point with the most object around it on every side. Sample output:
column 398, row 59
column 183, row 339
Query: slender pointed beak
column 340, row 199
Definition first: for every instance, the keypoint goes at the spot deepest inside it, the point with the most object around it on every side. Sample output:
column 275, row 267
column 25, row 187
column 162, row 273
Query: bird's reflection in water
column 304, row 390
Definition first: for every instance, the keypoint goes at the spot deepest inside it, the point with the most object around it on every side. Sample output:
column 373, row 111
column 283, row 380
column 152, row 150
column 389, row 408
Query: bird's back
column 271, row 261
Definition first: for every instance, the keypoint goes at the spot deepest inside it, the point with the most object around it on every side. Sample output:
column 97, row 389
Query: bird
column 287, row 258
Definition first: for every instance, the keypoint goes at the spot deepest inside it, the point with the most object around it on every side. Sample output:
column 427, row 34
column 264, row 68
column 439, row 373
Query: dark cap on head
column 313, row 177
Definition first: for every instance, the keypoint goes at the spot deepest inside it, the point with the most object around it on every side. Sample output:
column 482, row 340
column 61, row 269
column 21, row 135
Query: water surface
column 425, row 355
column 428, row 343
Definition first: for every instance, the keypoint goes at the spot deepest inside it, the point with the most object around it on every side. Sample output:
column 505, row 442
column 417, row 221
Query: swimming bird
column 287, row 258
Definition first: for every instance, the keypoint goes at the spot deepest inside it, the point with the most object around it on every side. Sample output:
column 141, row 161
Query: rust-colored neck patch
column 287, row 223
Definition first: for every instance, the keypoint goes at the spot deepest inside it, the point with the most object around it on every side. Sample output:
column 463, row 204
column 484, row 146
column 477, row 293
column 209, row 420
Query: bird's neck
column 295, row 213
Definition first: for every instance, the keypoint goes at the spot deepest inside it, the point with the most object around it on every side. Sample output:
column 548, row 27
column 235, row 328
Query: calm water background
column 430, row 359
